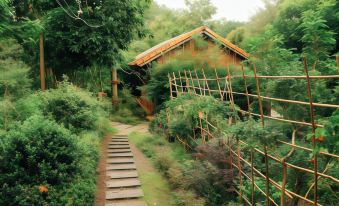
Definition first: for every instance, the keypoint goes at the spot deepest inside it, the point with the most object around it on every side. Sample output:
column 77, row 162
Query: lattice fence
column 221, row 87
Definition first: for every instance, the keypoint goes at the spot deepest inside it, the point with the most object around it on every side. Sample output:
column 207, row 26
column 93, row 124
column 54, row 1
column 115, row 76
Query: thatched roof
column 156, row 51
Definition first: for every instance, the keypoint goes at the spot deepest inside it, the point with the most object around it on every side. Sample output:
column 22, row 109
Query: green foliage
column 183, row 115
column 254, row 133
column 163, row 23
column 128, row 111
column 327, row 138
column 75, row 109
column 14, row 79
column 36, row 153
column 318, row 38
column 236, row 36
column 84, row 32
column 93, row 78
column 211, row 176
column 42, row 152
column 186, row 198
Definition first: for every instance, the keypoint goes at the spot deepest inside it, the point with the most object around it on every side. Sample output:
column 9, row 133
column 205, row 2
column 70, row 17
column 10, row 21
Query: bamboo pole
column 195, row 71
column 175, row 84
column 218, row 83
column 209, row 91
column 231, row 92
column 195, row 92
column 42, row 63
column 182, row 88
column 170, row 85
column 245, row 85
column 239, row 170
column 309, row 92
column 187, row 82
column 263, row 124
column 252, row 179
column 281, row 77
column 258, row 94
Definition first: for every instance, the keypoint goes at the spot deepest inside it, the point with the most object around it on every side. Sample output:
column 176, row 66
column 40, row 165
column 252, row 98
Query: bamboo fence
column 191, row 83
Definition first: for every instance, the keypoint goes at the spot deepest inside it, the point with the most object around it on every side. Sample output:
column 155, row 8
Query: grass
column 155, row 186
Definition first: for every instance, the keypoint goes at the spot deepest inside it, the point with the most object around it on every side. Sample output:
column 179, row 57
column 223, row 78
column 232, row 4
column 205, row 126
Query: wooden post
column 170, row 85
column 42, row 63
column 231, row 92
column 196, row 75
column 187, row 82
column 192, row 82
column 283, row 184
column 315, row 168
column 245, row 85
column 175, row 84
column 239, row 172
column 115, row 99
column 337, row 58
column 206, row 83
column 252, row 178
column 218, row 83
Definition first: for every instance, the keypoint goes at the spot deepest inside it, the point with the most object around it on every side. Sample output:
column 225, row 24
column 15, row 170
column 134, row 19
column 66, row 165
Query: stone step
column 122, row 154
column 122, row 174
column 124, row 193
column 118, row 147
column 120, row 160
column 119, row 150
column 131, row 202
column 121, row 167
column 119, row 140
column 118, row 183
column 118, row 143
column 119, row 137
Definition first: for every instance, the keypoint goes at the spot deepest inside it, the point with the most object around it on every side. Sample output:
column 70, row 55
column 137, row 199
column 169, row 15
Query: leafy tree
column 223, row 26
column 199, row 12
column 318, row 39
column 288, row 21
column 81, row 33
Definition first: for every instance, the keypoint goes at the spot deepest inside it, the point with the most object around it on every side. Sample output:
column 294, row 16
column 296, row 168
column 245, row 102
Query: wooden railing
column 190, row 82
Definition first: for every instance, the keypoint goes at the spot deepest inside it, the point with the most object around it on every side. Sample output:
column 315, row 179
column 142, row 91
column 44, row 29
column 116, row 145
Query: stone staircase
column 123, row 187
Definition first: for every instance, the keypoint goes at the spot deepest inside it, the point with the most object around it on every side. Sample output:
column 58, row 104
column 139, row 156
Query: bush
column 71, row 106
column 208, row 181
column 183, row 116
column 186, row 198
column 39, row 152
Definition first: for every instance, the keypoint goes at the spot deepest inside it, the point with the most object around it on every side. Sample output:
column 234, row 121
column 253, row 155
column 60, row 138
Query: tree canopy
column 82, row 33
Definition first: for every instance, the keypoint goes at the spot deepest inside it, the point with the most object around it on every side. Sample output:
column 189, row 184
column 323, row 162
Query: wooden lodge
column 230, row 54
column 226, row 52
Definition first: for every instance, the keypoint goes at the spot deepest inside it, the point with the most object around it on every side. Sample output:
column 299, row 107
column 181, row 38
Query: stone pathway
column 123, row 187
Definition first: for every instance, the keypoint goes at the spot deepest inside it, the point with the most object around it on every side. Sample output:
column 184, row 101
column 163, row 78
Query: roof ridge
column 154, row 51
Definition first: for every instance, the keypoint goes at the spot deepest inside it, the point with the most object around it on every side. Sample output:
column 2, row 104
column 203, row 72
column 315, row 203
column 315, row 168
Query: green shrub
column 163, row 162
column 38, row 152
column 14, row 79
column 71, row 106
column 183, row 116
column 186, row 198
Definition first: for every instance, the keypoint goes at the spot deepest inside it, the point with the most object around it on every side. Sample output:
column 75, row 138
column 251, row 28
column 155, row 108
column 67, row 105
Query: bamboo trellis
column 200, row 86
